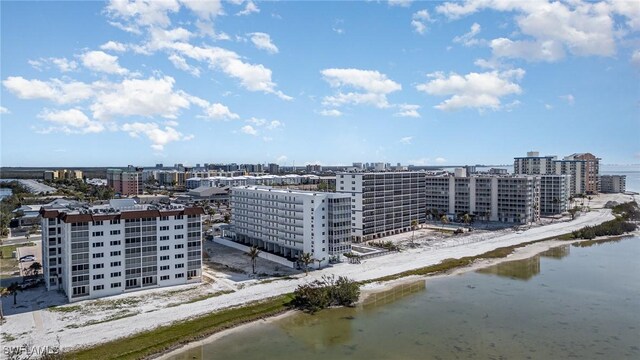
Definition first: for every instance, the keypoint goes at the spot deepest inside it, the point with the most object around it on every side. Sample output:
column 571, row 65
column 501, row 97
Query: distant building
column 498, row 171
column 613, row 183
column 289, row 223
column 591, row 176
column 125, row 182
column 52, row 175
column 534, row 164
column 274, row 169
column 383, row 203
column 313, row 168
column 95, row 251
column 512, row 199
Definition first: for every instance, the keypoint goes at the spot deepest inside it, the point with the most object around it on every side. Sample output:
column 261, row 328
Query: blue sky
column 425, row 83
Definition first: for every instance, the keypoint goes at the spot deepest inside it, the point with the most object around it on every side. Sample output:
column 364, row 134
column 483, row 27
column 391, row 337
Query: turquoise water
column 571, row 302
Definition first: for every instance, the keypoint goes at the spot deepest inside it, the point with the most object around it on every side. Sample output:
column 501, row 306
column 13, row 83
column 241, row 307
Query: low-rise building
column 613, row 183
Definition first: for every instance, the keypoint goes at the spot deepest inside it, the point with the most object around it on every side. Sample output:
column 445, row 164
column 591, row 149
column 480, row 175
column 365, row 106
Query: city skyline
column 430, row 83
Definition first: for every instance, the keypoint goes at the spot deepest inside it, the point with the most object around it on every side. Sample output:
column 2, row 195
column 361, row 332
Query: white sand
column 41, row 327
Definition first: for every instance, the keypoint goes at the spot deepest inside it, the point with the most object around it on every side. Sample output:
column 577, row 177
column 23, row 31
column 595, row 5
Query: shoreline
column 367, row 290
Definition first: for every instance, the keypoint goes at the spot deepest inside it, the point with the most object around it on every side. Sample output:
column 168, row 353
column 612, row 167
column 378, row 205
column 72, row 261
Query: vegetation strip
column 165, row 338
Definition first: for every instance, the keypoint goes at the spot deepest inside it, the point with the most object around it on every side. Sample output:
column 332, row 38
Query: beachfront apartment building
column 95, row 251
column 125, row 182
column 584, row 169
column 383, row 203
column 555, row 191
column 510, row 199
column 613, row 183
column 288, row 223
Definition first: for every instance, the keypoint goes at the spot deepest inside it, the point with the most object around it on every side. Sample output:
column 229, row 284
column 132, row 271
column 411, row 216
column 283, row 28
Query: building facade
column 289, row 223
column 511, row 199
column 91, row 252
column 383, row 203
column 555, row 191
column 125, row 182
column 613, row 183
column 534, row 164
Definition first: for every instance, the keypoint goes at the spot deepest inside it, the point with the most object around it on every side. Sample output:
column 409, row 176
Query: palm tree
column 306, row 260
column 13, row 290
column 414, row 225
column 35, row 268
column 253, row 254
column 444, row 219
column 466, row 218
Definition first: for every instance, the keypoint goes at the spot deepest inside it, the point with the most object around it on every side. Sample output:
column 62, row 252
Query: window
column 98, row 287
column 98, row 266
column 164, row 267
column 116, row 285
column 178, row 266
column 98, row 233
column 164, row 277
column 192, row 273
column 98, row 277
column 181, row 275
column 181, row 236
column 164, row 228
column 147, row 280
column 179, row 217
column 178, row 227
column 179, row 246
column 114, row 232
column 116, row 274
column 163, row 248
column 116, row 253
column 97, row 244
column 115, row 242
column 98, row 255
column 97, row 223
column 116, row 263
column 131, row 282
column 166, row 257
column 163, row 238
column 115, row 222
column 164, row 218
column 179, row 256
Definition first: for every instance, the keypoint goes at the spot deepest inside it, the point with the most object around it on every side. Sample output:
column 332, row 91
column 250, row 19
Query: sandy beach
column 84, row 328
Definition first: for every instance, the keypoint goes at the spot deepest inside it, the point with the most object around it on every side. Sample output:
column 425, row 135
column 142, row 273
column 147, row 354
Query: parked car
column 28, row 258
column 31, row 283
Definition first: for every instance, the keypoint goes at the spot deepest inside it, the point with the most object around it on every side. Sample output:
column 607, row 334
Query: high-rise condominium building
column 94, row 251
column 383, row 203
column 125, row 182
column 584, row 169
column 613, row 183
column 554, row 194
column 512, row 199
column 289, row 223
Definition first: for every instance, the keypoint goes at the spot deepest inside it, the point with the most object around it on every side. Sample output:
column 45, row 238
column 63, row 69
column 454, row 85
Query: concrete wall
column 263, row 255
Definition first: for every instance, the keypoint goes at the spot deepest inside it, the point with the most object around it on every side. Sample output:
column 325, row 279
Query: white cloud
column 71, row 121
column 142, row 13
column 375, row 85
column 401, row 3
column 138, row 97
column 419, row 162
column 159, row 137
column 406, row 140
column 4, row 110
column 635, row 58
column 281, row 159
column 102, row 62
column 205, row 10
column 408, row 110
column 218, row 111
column 63, row 64
column 269, row 125
column 263, row 41
column 473, row 90
column 331, row 112
column 419, row 21
column 54, row 90
column 568, row 98
column 180, row 63
column 441, row 160
column 36, row 64
column 114, row 46
column 250, row 130
column 548, row 106
column 249, row 9
column 582, row 28
column 274, row 124
column 469, row 39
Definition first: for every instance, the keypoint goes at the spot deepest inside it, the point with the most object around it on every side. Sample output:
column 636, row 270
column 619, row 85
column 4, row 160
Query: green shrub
column 329, row 291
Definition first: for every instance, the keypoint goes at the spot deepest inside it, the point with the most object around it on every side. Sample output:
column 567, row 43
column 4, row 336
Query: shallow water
column 568, row 302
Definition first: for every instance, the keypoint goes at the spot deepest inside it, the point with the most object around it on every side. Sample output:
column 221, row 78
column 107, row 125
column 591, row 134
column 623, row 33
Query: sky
column 299, row 82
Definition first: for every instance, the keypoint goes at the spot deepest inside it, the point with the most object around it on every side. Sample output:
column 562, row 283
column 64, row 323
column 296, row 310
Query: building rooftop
column 287, row 191
column 116, row 209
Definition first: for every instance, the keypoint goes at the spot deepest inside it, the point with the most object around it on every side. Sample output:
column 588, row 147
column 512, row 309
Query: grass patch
column 7, row 250
column 201, row 297
column 166, row 337
column 7, row 337
column 64, row 309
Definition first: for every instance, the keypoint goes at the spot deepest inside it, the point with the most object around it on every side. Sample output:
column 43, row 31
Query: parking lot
column 35, row 250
